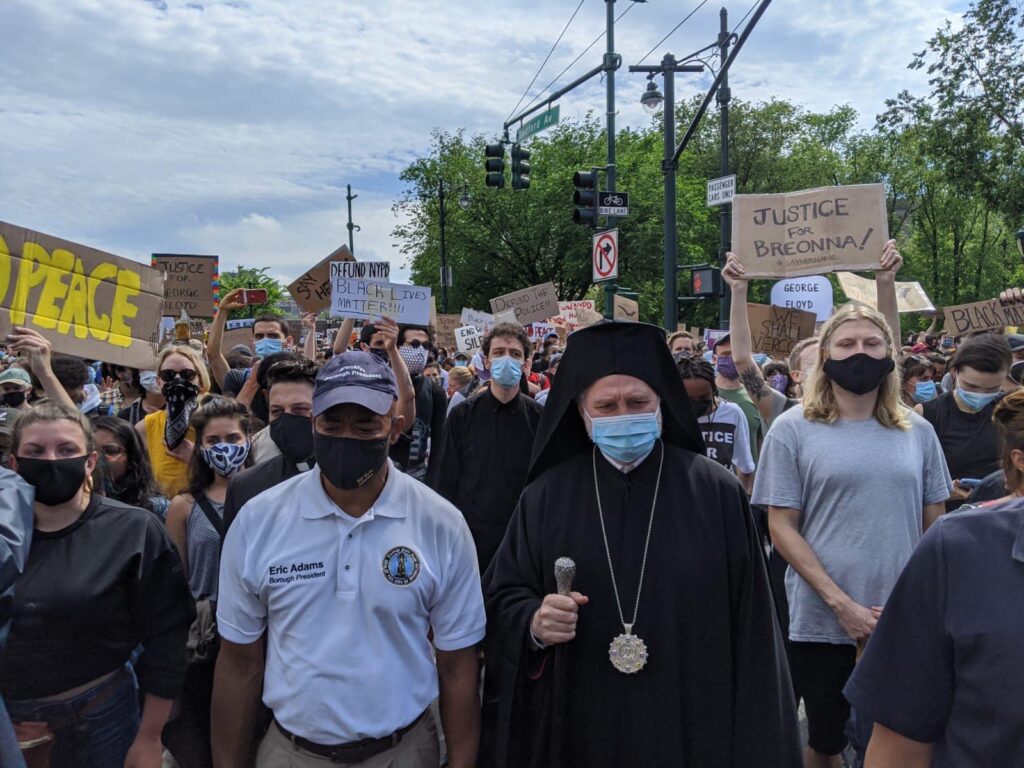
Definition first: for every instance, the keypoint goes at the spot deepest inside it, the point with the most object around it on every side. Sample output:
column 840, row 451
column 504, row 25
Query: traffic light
column 706, row 282
column 495, row 165
column 585, row 198
column 520, row 168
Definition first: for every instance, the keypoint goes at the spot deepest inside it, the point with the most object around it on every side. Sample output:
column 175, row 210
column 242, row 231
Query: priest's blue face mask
column 626, row 438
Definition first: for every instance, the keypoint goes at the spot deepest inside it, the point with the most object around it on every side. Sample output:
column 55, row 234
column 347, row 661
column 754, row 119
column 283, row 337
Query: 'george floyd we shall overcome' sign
column 810, row 232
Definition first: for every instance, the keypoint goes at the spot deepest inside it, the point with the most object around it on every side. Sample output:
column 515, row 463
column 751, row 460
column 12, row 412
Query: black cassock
column 716, row 688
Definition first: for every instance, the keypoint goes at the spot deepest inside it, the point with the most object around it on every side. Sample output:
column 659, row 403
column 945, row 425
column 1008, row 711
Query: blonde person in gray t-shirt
column 851, row 480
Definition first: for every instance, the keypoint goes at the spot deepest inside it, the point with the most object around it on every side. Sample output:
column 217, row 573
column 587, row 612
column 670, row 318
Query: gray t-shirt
column 860, row 488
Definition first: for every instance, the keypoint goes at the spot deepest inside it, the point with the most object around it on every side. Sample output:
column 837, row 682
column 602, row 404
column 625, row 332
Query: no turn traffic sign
column 605, row 252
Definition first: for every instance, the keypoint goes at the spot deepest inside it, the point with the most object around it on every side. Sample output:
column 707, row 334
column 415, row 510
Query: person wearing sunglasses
column 410, row 451
column 166, row 434
column 125, row 472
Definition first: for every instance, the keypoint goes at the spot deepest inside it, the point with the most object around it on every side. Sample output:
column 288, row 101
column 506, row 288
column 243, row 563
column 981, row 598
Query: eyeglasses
column 416, row 344
column 113, row 451
column 168, row 375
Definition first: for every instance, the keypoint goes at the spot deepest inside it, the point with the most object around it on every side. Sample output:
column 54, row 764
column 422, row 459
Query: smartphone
column 254, row 296
column 969, row 482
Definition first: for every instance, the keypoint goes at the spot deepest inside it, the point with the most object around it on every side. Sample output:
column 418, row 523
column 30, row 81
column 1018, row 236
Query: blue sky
column 232, row 127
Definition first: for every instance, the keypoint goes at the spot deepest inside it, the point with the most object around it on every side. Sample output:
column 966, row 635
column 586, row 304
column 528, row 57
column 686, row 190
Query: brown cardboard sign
column 810, row 232
column 444, row 330
column 531, row 305
column 87, row 302
column 625, row 309
column 776, row 330
column 982, row 316
column 312, row 291
column 189, row 284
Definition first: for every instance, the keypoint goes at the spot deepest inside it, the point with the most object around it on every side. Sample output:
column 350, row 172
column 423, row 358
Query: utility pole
column 444, row 254
column 350, row 197
column 611, row 63
column 724, row 211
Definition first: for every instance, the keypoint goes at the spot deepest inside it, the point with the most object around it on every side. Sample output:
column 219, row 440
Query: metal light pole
column 668, row 68
column 444, row 255
column 724, row 211
column 350, row 197
column 611, row 63
column 1020, row 242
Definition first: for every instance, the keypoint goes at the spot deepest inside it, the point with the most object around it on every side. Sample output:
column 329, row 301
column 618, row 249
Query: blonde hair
column 819, row 399
column 186, row 351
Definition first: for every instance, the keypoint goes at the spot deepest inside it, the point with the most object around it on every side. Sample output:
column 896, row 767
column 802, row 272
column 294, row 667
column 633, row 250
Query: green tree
column 252, row 277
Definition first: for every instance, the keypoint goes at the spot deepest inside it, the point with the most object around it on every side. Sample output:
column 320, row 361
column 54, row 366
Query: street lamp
column 1020, row 241
column 650, row 102
column 652, row 98
column 464, row 202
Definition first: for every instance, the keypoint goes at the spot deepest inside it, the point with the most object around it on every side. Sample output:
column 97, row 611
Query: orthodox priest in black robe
column 690, row 675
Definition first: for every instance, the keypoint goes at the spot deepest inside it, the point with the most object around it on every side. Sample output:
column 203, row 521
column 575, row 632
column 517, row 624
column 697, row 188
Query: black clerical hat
column 604, row 349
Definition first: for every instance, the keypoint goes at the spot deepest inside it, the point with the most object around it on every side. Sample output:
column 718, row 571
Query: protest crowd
column 596, row 544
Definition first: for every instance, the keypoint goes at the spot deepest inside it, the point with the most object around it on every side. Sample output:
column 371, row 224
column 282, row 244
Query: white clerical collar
column 626, row 468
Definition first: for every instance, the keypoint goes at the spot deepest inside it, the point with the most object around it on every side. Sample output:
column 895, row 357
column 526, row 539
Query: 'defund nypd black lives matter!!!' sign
column 810, row 232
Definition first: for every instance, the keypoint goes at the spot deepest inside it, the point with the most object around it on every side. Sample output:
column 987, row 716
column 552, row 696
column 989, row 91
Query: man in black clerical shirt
column 290, row 401
column 667, row 651
column 484, row 453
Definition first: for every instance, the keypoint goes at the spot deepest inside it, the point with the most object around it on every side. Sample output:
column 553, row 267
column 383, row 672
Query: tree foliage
column 251, row 277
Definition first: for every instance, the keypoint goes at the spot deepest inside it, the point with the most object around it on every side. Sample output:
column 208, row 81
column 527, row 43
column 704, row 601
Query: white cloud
column 233, row 127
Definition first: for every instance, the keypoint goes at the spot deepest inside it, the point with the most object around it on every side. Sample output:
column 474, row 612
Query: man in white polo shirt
column 330, row 584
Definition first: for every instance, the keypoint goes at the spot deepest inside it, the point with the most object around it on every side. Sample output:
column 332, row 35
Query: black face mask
column 55, row 480
column 380, row 353
column 13, row 399
column 702, row 407
column 349, row 463
column 293, row 435
column 860, row 373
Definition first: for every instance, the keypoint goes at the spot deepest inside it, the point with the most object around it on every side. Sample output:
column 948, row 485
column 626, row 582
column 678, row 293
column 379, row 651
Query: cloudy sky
column 233, row 126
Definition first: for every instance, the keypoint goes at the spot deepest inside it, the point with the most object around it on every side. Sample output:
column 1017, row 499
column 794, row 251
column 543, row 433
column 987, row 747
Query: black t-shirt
column 91, row 594
column 969, row 441
column 234, row 380
column 410, row 451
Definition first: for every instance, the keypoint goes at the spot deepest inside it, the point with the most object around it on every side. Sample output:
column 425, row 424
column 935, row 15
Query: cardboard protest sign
column 444, row 330
column 482, row 321
column 625, row 309
column 982, row 316
column 86, row 302
column 537, row 332
column 192, row 283
column 507, row 316
column 776, row 330
column 532, row 305
column 379, row 271
column 587, row 317
column 569, row 311
column 312, row 291
column 812, row 294
column 810, row 232
column 910, row 297
column 367, row 300
column 467, row 340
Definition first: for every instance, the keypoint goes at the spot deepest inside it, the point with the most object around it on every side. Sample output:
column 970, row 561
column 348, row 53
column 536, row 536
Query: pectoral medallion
column 628, row 653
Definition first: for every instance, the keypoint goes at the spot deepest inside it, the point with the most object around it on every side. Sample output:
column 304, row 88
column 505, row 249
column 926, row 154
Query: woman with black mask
column 167, row 435
column 124, row 466
column 102, row 580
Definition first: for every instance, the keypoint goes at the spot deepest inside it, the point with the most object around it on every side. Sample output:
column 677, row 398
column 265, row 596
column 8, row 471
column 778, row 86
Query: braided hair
column 696, row 368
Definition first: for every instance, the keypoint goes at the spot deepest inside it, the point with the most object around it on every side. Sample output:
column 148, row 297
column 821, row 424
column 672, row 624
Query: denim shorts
column 99, row 739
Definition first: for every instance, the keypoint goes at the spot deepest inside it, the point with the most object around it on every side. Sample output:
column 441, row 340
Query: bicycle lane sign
column 605, row 252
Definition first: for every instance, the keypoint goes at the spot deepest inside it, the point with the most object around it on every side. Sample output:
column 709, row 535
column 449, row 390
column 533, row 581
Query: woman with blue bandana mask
column 195, row 522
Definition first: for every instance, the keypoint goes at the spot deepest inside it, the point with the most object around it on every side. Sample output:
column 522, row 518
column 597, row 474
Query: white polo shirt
column 347, row 603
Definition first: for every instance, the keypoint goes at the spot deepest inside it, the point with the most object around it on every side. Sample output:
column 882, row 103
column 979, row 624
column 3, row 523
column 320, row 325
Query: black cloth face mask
column 181, row 402
column 349, row 463
column 860, row 373
column 12, row 399
column 55, row 480
column 293, row 435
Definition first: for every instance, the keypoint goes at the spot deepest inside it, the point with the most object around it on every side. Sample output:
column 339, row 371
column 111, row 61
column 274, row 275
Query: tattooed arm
column 764, row 397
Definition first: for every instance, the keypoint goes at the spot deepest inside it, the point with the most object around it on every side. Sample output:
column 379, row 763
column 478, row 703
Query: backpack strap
column 211, row 514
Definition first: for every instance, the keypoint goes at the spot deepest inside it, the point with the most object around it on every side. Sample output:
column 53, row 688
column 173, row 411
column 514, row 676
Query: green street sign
column 537, row 124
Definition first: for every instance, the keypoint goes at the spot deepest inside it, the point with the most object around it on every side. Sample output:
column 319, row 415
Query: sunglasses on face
column 168, row 375
column 416, row 344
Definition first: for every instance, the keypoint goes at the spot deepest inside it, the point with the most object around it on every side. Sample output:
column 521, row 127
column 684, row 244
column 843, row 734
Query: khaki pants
column 418, row 749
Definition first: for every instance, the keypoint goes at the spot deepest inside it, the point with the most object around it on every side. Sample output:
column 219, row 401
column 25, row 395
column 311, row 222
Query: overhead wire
column 583, row 53
column 672, row 31
column 546, row 58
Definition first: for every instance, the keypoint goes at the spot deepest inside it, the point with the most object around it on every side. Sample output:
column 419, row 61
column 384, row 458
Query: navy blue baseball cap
column 355, row 377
